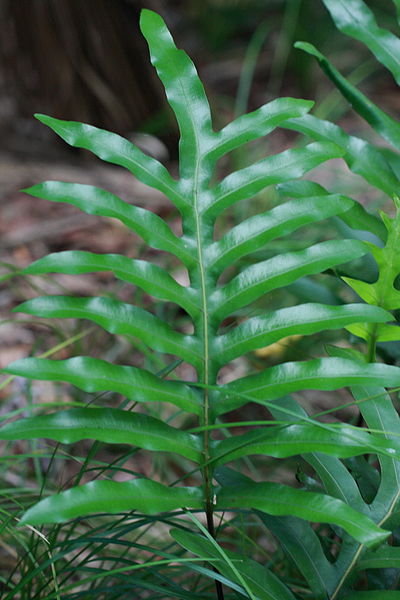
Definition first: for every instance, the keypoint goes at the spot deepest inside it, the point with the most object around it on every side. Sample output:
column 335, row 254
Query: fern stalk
column 206, row 375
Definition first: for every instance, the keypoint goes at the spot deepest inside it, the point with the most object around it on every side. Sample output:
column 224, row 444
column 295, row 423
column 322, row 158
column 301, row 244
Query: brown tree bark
column 79, row 60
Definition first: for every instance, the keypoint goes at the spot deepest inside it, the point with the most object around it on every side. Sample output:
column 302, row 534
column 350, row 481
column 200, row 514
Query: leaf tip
column 377, row 539
column 309, row 48
column 29, row 190
column 42, row 118
column 149, row 20
column 19, row 307
column 28, row 521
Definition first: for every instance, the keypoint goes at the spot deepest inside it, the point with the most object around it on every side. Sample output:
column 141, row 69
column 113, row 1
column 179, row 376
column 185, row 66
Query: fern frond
column 207, row 303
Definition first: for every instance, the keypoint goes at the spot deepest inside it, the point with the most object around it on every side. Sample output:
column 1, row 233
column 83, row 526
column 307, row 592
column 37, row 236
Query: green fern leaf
column 109, row 425
column 354, row 18
column 94, row 375
column 207, row 303
column 277, row 499
column 149, row 497
column 151, row 278
column 95, row 201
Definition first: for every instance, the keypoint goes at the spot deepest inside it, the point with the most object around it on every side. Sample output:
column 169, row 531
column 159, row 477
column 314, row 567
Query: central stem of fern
column 207, row 374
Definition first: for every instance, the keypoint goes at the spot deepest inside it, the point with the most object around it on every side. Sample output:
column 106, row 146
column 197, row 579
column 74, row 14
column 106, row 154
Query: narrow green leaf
column 275, row 325
column 115, row 149
column 386, row 557
column 383, row 333
column 356, row 217
column 258, row 123
column 281, row 500
column 335, row 477
column 318, row 374
column 279, row 271
column 356, row 19
column 144, row 495
column 95, row 201
column 302, row 545
column 151, row 278
column 376, row 117
column 259, row 580
column 94, row 375
column 366, row 291
column 109, row 425
column 220, row 551
column 379, row 413
column 247, row 182
column 362, row 158
column 185, row 93
column 117, row 317
column 339, row 440
column 253, row 233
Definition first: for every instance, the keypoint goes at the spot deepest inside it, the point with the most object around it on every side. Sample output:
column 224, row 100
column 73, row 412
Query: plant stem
column 207, row 374
column 207, row 478
column 371, row 355
column 211, row 530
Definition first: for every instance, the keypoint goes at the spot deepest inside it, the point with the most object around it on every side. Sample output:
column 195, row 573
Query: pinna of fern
column 207, row 303
column 370, row 487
